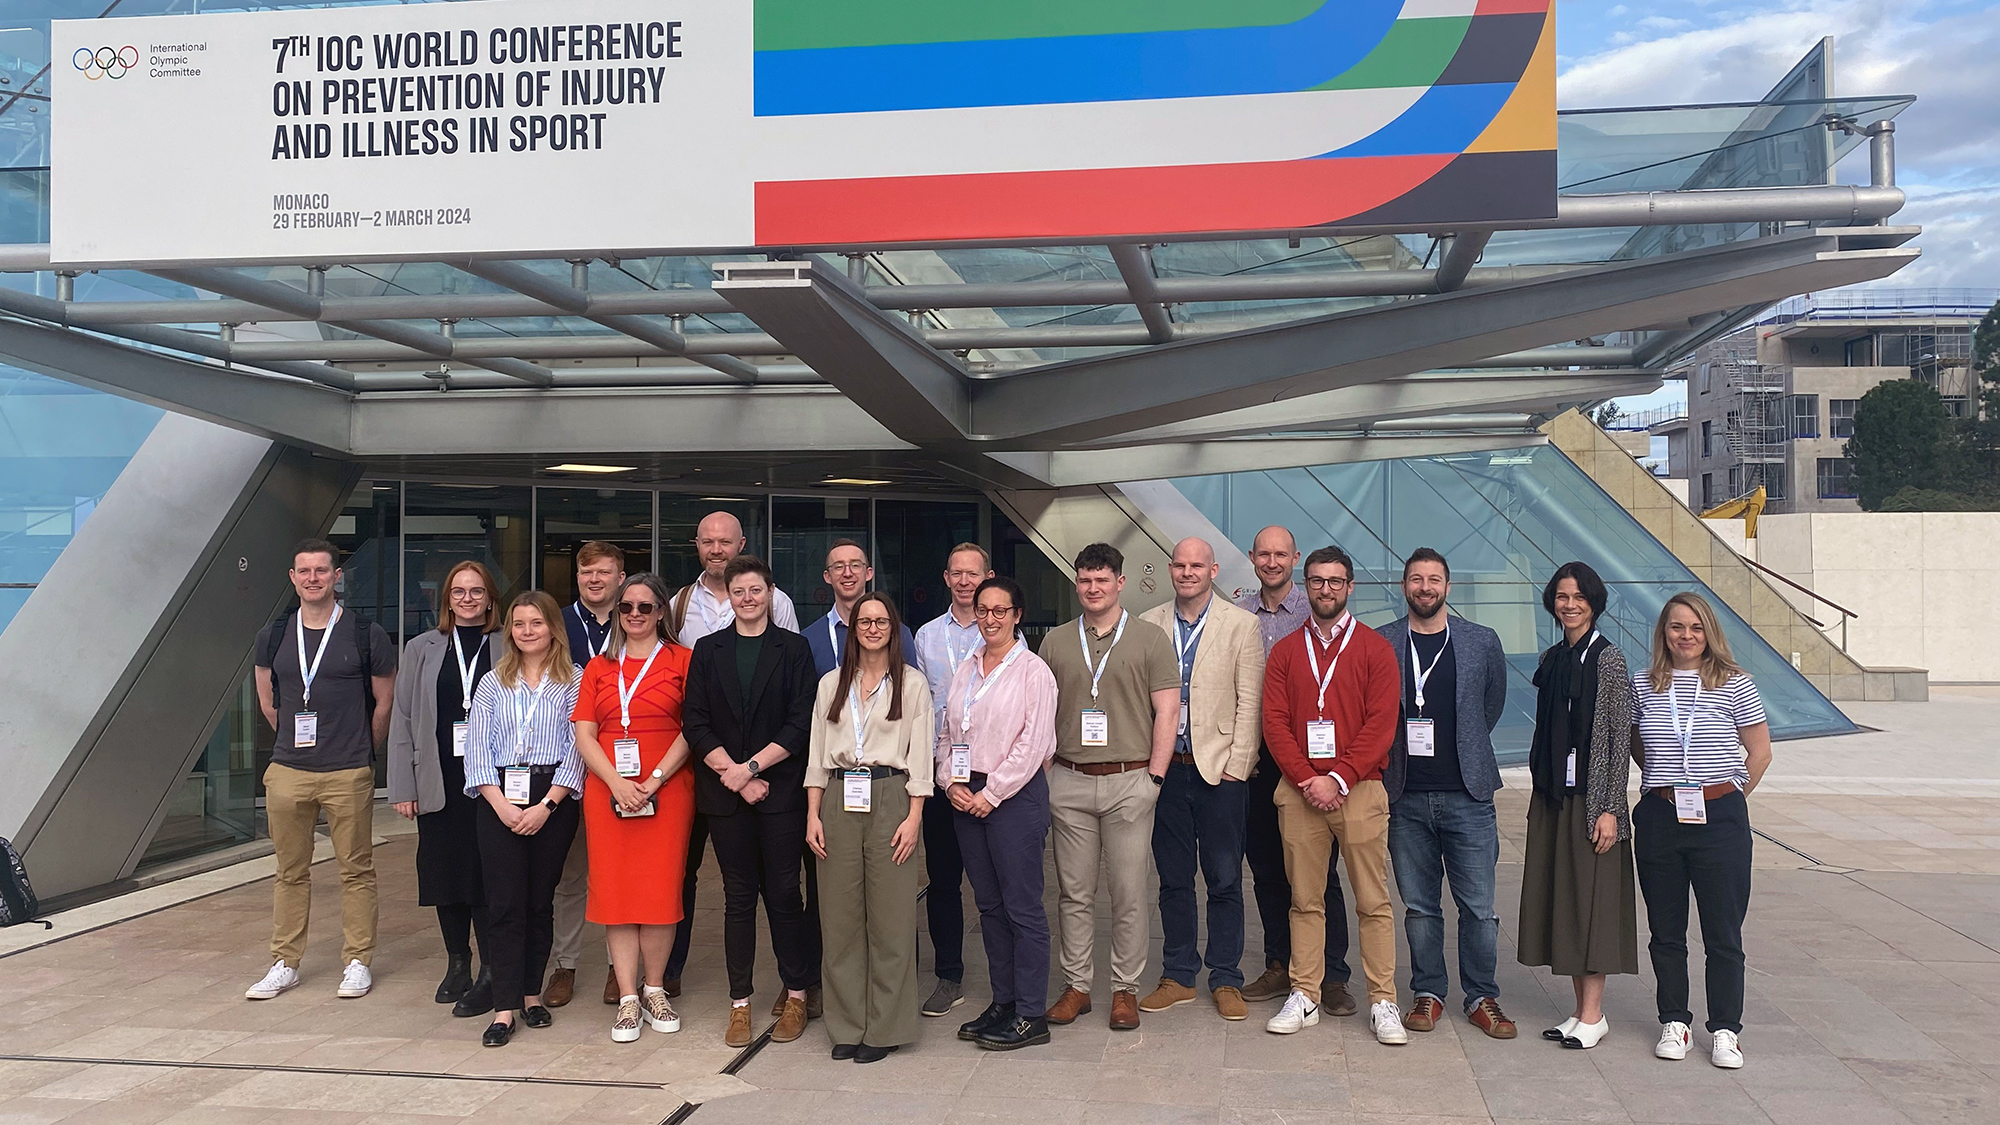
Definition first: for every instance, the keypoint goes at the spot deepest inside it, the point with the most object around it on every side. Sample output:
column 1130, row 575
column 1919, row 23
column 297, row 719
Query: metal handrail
column 1821, row 625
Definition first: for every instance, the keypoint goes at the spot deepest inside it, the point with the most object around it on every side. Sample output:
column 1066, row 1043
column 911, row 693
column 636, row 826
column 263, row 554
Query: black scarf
column 1565, row 705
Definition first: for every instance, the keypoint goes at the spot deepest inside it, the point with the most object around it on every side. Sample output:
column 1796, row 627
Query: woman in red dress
column 638, row 800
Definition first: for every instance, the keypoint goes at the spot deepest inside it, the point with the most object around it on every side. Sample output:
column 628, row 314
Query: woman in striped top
column 521, row 758
column 1702, row 743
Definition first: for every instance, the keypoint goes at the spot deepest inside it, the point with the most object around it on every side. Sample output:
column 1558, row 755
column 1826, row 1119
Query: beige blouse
column 904, row 744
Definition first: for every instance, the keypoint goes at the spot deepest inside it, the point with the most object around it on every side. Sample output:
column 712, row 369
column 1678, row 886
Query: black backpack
column 17, row 897
column 364, row 635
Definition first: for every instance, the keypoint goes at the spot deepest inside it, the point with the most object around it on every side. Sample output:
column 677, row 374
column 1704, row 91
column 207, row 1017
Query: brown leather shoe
column 1229, row 1003
column 791, row 1023
column 739, row 1026
column 1167, row 995
column 1125, row 1010
column 672, row 985
column 611, row 995
column 1424, row 1014
column 1487, row 1017
column 1335, row 1000
column 560, row 988
column 1276, row 982
column 1068, row 1006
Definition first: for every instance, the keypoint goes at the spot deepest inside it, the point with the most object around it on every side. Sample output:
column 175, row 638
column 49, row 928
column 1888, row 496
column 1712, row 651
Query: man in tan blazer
column 1200, row 815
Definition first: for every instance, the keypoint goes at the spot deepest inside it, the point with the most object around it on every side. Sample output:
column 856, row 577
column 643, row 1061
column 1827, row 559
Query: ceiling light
column 573, row 467
column 853, row 481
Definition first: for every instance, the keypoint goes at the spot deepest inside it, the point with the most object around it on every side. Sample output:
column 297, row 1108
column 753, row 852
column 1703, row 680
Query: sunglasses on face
column 637, row 609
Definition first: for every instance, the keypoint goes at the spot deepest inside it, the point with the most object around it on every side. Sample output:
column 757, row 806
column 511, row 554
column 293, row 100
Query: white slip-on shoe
column 1726, row 1052
column 1584, row 1036
column 1387, row 1020
column 1559, row 1032
column 1674, row 1041
column 1298, row 1012
column 355, row 981
column 282, row 978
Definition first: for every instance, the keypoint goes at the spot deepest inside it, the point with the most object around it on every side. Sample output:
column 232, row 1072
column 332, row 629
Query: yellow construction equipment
column 1746, row 507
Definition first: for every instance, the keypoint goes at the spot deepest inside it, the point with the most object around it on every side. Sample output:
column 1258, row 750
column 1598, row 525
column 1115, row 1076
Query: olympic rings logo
column 105, row 62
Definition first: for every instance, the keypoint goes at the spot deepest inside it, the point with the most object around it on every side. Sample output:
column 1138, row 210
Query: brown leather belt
column 1181, row 759
column 1101, row 769
column 1708, row 792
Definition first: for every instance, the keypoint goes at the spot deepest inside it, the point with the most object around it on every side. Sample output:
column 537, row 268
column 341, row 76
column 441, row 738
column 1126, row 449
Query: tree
column 1983, row 424
column 1607, row 415
column 1903, row 439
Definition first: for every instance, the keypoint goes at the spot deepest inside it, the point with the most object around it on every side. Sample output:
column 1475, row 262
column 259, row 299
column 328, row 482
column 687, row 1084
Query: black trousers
column 697, row 844
column 944, row 902
column 521, row 875
column 760, row 855
column 1713, row 860
column 1265, row 850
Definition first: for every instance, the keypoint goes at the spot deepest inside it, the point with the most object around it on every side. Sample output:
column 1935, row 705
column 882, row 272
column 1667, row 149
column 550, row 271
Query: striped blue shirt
column 496, row 738
column 1709, row 717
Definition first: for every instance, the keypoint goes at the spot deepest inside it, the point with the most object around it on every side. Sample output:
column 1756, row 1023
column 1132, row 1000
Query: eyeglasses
column 637, row 609
column 993, row 611
column 871, row 623
column 846, row 568
column 1328, row 583
column 467, row 595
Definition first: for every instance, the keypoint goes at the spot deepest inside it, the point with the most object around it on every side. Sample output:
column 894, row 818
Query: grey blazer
column 413, row 751
column 1482, row 693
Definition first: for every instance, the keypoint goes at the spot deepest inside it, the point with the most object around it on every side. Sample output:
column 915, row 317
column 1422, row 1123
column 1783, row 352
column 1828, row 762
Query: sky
column 1946, row 52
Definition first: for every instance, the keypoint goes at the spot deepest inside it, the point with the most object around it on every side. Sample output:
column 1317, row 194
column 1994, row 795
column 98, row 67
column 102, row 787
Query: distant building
column 1773, row 402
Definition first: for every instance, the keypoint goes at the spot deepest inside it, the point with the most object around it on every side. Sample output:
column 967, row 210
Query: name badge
column 514, row 784
column 1569, row 770
column 1421, row 734
column 305, row 729
column 1096, row 728
column 460, row 731
column 1690, row 805
column 961, row 762
column 625, row 757
column 1319, row 739
column 646, row 809
column 857, row 790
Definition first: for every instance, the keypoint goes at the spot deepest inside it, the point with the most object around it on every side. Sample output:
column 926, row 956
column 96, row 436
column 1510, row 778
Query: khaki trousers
column 1106, row 820
column 868, row 908
column 1361, row 825
column 572, row 892
column 293, row 800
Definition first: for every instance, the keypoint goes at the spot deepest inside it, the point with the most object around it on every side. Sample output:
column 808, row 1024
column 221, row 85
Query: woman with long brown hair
column 1702, row 743
column 426, row 773
column 522, row 765
column 871, row 744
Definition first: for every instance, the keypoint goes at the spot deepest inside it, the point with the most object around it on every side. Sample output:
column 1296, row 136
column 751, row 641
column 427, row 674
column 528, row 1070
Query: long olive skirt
column 1579, row 910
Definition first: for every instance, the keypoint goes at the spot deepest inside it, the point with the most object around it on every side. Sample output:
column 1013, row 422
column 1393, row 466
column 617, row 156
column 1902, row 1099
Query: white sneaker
column 1387, row 1020
column 1674, row 1041
column 657, row 1011
column 1726, row 1053
column 354, row 981
column 282, row 978
column 1298, row 1012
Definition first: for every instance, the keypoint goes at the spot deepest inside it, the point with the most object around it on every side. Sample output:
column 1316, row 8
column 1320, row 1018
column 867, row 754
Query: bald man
column 1199, row 820
column 1280, row 607
column 702, row 606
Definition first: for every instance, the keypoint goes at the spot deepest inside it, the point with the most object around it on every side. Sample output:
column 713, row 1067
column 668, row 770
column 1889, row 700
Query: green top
column 747, row 651
column 1141, row 664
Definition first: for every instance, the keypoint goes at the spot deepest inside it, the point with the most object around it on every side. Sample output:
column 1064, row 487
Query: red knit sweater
column 1364, row 700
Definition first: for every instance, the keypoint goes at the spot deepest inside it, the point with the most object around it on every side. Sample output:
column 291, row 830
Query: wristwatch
column 755, row 769
column 659, row 774
column 551, row 804
column 1157, row 779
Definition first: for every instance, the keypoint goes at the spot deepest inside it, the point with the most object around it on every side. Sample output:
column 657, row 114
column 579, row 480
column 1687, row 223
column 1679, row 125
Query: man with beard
column 1440, row 780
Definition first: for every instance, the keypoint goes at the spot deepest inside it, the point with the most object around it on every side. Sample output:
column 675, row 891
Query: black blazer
column 779, row 710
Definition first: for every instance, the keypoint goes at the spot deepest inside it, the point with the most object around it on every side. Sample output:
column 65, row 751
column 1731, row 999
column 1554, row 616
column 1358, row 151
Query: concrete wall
column 1926, row 585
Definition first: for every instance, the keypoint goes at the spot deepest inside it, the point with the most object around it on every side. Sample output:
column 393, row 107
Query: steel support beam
column 1072, row 468
column 1459, row 257
column 1142, row 287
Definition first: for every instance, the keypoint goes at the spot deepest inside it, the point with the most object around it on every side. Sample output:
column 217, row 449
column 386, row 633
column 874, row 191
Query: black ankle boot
column 457, row 978
column 994, row 1016
column 479, row 998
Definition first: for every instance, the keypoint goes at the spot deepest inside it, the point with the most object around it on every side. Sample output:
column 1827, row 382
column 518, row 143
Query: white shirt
column 707, row 613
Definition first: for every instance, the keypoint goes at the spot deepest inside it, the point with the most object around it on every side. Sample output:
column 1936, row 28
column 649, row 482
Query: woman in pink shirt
column 999, row 734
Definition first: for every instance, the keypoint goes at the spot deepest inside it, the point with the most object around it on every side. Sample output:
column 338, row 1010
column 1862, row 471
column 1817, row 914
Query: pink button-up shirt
column 1013, row 728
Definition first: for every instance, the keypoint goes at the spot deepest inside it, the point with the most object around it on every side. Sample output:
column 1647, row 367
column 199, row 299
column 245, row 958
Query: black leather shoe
column 993, row 1016
column 478, row 999
column 844, row 1051
column 457, row 978
column 537, row 1016
column 497, row 1034
column 868, row 1054
column 1015, row 1033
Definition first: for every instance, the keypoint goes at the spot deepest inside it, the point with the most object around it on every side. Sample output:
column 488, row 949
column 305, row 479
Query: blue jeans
column 1196, row 822
column 1432, row 836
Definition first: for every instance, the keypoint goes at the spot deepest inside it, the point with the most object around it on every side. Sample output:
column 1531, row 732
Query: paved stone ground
column 1873, row 994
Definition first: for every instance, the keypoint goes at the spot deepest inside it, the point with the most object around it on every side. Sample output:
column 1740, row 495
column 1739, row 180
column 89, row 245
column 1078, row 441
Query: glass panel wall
column 681, row 515
column 912, row 540
column 571, row 517
column 803, row 529
column 446, row 524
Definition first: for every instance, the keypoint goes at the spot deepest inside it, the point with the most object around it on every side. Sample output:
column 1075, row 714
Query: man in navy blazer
column 1441, row 777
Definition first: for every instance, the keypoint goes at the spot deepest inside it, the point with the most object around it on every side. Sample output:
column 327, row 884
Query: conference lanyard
column 524, row 714
column 952, row 627
column 972, row 698
column 1421, row 673
column 1083, row 638
column 1182, row 648
column 1312, row 656
column 625, row 696
column 1684, row 736
column 465, row 666
column 859, row 717
column 582, row 619
column 309, row 672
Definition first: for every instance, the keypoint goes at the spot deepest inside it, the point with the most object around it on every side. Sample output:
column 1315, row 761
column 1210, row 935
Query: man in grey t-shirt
column 316, row 678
